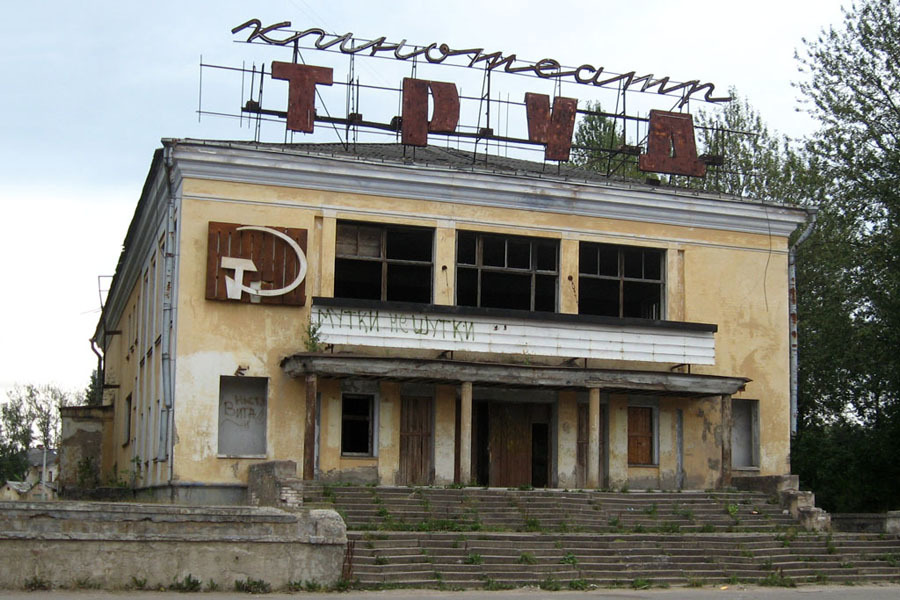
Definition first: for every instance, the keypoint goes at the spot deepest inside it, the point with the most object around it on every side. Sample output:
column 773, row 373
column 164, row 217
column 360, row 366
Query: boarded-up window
column 242, row 416
column 640, row 435
column 356, row 424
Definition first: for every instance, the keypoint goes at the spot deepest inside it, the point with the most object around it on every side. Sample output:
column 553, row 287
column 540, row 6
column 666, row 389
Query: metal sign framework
column 667, row 135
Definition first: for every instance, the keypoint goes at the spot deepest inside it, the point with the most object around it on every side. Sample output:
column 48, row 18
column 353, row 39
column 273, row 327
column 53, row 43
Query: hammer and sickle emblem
column 234, row 285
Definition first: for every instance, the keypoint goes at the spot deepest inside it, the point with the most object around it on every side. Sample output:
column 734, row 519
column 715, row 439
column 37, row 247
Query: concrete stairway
column 500, row 560
column 477, row 509
column 498, row 538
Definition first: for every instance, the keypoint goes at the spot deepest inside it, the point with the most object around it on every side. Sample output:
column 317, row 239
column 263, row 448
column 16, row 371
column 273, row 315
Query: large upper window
column 620, row 281
column 383, row 262
column 502, row 271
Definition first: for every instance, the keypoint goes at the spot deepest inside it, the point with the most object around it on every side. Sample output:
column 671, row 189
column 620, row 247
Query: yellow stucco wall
column 735, row 280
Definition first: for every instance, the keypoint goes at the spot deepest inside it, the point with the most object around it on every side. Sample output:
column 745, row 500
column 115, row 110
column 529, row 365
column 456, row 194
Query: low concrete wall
column 888, row 522
column 108, row 544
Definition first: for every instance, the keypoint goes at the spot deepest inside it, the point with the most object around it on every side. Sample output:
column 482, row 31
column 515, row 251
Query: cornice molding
column 614, row 200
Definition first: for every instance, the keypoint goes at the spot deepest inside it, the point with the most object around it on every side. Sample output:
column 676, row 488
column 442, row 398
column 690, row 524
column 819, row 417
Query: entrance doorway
column 416, row 446
column 511, row 444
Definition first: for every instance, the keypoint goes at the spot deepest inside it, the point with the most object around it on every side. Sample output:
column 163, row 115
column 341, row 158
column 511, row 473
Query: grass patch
column 569, row 559
column 493, row 585
column 86, row 583
column 252, row 586
column 641, row 584
column 473, row 558
column 550, row 584
column 37, row 583
column 708, row 528
column 532, row 524
column 579, row 585
column 696, row 582
column 777, row 580
column 188, row 584
column 527, row 558
column 381, row 560
column 137, row 583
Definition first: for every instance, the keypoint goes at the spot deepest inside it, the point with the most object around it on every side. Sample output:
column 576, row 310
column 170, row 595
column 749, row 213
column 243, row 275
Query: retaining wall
column 112, row 544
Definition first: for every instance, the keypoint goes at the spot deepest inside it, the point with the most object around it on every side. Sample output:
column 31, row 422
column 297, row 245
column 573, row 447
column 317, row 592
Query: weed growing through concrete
column 550, row 584
column 527, row 558
column 696, row 582
column 569, row 559
column 777, row 580
column 641, row 584
column 137, row 583
column 37, row 583
column 252, row 586
column 579, row 584
column 473, row 558
column 86, row 583
column 495, row 586
column 188, row 584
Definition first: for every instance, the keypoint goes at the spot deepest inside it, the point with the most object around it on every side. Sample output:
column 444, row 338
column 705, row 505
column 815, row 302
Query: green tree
column 93, row 394
column 15, row 437
column 600, row 144
column 850, row 268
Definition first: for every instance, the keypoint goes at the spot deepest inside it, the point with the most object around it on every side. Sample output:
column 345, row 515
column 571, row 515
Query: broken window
column 640, row 435
column 744, row 433
column 620, row 281
column 503, row 271
column 356, row 424
column 242, row 416
column 383, row 262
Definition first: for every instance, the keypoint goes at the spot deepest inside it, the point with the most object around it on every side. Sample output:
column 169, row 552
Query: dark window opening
column 499, row 271
column 356, row 424
column 620, row 281
column 383, row 262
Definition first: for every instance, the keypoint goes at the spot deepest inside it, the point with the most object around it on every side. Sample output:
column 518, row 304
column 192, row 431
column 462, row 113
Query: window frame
column 532, row 270
column 620, row 277
column 384, row 230
column 371, row 424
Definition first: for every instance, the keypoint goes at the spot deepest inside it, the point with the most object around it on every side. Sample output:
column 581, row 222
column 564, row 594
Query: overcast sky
column 92, row 87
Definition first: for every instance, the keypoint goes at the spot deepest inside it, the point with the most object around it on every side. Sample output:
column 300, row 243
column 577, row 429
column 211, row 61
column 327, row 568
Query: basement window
column 503, row 271
column 383, row 262
column 356, row 424
column 242, row 416
column 620, row 281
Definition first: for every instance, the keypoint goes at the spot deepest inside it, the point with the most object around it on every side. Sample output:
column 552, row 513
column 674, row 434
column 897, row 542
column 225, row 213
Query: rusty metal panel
column 671, row 147
column 414, row 124
column 416, row 435
column 301, row 113
column 273, row 264
column 445, row 115
column 554, row 129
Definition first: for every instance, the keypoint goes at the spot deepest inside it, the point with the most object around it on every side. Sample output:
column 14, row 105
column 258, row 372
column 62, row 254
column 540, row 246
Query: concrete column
column 593, row 451
column 309, row 432
column 568, row 276
column 727, row 425
column 618, row 440
column 444, row 434
column 567, row 440
column 444, row 261
column 465, row 433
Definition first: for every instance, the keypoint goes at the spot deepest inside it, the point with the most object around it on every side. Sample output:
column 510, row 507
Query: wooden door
column 416, row 441
column 510, row 445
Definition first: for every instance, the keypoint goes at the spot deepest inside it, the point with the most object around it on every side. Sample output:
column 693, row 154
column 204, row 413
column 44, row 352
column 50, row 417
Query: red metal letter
column 301, row 114
column 670, row 145
column 415, row 125
column 553, row 129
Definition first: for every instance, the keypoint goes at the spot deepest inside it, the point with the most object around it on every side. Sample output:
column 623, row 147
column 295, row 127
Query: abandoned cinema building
column 378, row 314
